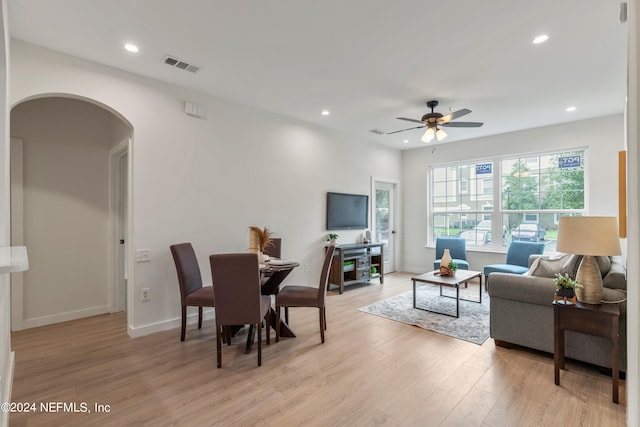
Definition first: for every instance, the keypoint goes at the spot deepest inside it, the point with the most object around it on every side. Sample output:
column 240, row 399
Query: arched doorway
column 70, row 208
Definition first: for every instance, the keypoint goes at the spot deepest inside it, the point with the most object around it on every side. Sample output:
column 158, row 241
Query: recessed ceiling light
column 540, row 39
column 325, row 112
column 570, row 109
column 406, row 141
column 131, row 47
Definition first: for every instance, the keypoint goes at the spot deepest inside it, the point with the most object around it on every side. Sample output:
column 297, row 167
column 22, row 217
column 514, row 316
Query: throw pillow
column 533, row 267
column 548, row 267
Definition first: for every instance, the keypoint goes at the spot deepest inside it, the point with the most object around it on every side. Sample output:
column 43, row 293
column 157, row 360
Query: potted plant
column 331, row 238
column 453, row 266
column 565, row 287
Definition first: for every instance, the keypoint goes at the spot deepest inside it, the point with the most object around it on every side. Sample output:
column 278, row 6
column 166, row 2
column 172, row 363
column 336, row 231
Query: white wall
column 66, row 145
column 603, row 137
column 6, row 355
column 205, row 181
column 633, row 210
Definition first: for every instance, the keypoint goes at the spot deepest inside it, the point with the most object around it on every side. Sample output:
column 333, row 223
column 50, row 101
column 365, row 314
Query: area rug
column 472, row 325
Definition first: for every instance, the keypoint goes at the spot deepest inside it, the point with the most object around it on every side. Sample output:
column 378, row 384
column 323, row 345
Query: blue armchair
column 457, row 249
column 517, row 261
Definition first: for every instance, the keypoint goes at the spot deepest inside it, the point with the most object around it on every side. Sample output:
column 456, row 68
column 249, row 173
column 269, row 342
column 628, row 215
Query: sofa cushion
column 504, row 268
column 614, row 295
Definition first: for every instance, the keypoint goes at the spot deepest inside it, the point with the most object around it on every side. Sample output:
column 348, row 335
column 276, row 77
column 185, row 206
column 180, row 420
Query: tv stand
column 356, row 263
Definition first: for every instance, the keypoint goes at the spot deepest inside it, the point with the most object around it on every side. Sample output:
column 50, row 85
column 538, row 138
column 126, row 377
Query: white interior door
column 384, row 219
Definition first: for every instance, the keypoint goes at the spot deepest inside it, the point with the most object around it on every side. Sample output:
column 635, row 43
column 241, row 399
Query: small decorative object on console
column 566, row 289
column 331, row 238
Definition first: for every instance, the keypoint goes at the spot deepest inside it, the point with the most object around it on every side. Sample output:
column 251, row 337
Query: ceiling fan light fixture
column 428, row 135
column 440, row 134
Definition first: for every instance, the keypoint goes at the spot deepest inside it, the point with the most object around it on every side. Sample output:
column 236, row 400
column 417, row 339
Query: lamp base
column 589, row 277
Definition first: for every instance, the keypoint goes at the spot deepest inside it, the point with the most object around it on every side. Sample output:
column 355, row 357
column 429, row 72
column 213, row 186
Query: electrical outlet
column 144, row 294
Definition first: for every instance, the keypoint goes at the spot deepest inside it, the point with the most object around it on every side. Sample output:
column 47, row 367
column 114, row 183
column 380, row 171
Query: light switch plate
column 143, row 255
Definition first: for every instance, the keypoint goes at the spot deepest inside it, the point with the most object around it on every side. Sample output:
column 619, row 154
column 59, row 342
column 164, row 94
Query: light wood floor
column 370, row 371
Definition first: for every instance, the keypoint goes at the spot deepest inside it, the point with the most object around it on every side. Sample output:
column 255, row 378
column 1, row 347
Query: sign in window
column 484, row 168
column 569, row 162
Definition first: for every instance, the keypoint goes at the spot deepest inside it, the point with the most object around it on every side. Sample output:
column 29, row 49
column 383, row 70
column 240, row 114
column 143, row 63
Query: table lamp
column 589, row 236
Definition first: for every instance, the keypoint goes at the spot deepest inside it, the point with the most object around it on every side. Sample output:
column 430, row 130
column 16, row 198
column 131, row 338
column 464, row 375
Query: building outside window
column 531, row 193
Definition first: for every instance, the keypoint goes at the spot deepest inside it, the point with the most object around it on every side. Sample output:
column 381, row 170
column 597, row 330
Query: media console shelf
column 356, row 263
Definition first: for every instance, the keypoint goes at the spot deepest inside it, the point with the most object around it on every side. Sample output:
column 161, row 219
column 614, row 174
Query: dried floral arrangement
column 259, row 238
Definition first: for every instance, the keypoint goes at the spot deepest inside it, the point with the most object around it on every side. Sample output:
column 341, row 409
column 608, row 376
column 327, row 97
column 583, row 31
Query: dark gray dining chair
column 236, row 288
column 306, row 296
column 192, row 293
column 274, row 248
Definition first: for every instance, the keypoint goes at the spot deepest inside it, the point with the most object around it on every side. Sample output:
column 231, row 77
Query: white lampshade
column 428, row 135
column 440, row 134
column 588, row 235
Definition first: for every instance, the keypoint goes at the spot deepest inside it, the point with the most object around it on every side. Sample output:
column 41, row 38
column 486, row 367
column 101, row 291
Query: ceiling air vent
column 178, row 63
column 378, row 131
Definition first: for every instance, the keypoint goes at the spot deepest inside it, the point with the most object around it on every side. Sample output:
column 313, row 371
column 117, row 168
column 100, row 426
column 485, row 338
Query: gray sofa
column 522, row 312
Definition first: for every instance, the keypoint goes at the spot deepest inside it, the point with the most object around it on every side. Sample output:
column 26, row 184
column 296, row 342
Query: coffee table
column 434, row 278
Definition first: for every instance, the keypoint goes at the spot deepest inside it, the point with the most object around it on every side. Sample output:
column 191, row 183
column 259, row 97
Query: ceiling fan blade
column 462, row 124
column 402, row 130
column 454, row 115
column 409, row 120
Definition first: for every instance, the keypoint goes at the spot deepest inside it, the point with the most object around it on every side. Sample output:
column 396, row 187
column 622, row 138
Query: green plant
column 453, row 266
column 565, row 281
column 332, row 236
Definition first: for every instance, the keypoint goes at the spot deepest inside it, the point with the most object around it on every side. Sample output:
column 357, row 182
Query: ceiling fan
column 433, row 121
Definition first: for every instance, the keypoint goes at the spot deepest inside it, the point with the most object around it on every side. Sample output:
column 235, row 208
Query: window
column 532, row 189
column 487, row 186
column 464, row 186
column 461, row 200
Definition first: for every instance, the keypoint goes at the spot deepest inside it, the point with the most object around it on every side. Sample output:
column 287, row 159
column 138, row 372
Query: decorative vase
column 332, row 242
column 446, row 258
column 260, row 257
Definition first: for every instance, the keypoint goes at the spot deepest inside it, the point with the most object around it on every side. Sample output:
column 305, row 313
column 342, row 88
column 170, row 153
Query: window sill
column 486, row 250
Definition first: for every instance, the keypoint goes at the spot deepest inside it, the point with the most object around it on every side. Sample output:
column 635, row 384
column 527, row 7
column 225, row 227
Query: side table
column 601, row 320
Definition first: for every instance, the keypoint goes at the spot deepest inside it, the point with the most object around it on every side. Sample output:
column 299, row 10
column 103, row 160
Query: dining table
column 272, row 275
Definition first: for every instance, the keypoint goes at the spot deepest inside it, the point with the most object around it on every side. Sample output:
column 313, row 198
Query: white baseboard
column 165, row 325
column 61, row 317
column 7, row 387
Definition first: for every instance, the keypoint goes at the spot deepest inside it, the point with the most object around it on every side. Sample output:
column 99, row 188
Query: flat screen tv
column 347, row 211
